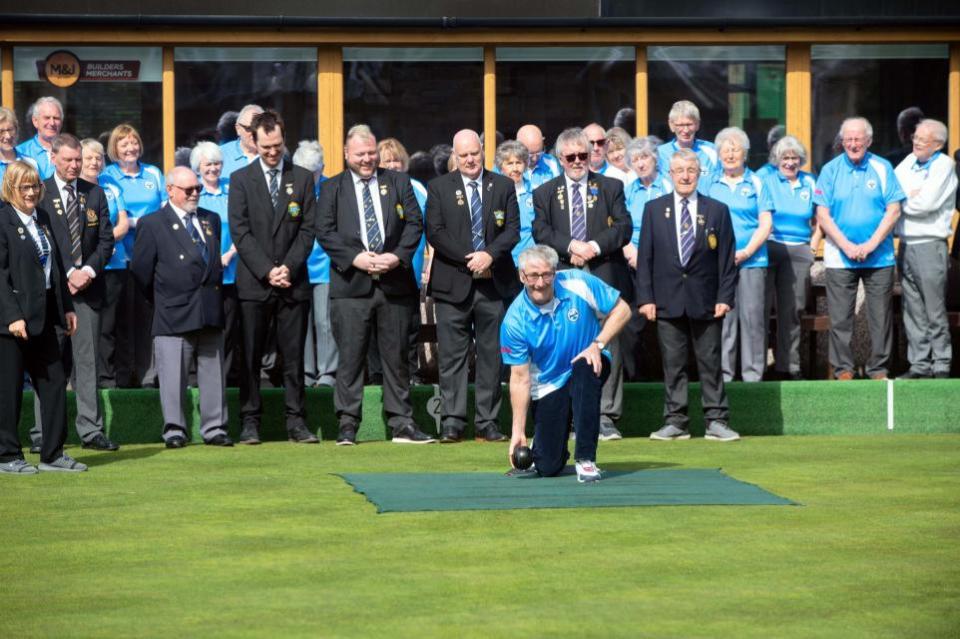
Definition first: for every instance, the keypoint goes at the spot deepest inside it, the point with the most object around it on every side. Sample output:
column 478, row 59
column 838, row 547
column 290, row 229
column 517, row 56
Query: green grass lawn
column 266, row 542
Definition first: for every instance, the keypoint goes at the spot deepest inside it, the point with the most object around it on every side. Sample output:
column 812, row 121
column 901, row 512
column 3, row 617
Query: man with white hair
column 369, row 223
column 929, row 181
column 46, row 114
column 684, row 122
column 176, row 260
column 242, row 151
column 542, row 166
column 858, row 202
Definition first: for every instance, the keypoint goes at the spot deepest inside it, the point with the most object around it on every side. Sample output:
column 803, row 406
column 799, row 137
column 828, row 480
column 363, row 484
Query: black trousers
column 291, row 321
column 673, row 335
column 232, row 350
column 115, row 353
column 352, row 320
column 39, row 355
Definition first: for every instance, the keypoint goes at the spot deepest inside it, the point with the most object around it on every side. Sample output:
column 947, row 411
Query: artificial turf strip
column 765, row 408
column 266, row 542
column 413, row 492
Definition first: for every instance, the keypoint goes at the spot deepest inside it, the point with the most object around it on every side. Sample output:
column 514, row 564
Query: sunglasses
column 571, row 157
column 190, row 190
column 599, row 142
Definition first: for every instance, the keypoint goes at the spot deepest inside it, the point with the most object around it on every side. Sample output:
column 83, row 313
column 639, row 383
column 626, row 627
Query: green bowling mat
column 408, row 492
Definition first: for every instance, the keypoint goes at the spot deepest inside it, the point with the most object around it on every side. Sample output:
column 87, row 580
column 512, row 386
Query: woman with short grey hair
column 512, row 160
column 791, row 248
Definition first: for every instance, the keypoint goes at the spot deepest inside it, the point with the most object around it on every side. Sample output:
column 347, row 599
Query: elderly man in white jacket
column 930, row 183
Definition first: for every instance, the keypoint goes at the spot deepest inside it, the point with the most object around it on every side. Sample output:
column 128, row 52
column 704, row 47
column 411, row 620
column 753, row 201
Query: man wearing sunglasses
column 176, row 259
column 583, row 217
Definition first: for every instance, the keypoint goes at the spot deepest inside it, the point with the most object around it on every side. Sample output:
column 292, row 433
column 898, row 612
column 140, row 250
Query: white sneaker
column 587, row 471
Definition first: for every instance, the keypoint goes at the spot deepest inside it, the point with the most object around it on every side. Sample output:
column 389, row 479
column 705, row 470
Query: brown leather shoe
column 879, row 376
column 844, row 376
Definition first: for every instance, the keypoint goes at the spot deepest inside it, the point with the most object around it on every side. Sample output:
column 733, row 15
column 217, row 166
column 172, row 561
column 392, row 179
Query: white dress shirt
column 375, row 196
column 266, row 173
column 678, row 207
column 30, row 222
column 183, row 220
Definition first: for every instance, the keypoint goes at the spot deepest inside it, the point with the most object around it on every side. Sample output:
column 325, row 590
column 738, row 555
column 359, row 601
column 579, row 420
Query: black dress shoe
column 100, row 442
column 300, row 435
column 489, row 434
column 911, row 374
column 410, row 434
column 451, row 435
column 348, row 435
column 176, row 442
column 249, row 435
column 219, row 440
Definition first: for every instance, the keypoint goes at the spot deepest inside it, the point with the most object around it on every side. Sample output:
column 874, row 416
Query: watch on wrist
column 599, row 344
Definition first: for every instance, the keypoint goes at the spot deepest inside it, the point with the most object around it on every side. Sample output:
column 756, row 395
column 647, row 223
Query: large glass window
column 422, row 96
column 110, row 86
column 560, row 87
column 212, row 81
column 876, row 82
column 732, row 86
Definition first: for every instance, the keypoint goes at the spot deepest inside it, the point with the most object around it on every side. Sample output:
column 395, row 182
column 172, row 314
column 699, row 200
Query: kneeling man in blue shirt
column 553, row 339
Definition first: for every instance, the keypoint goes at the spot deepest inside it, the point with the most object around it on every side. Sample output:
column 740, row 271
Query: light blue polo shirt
column 115, row 204
column 217, row 202
column 4, row 164
column 858, row 196
column 318, row 262
column 548, row 337
column 706, row 153
column 745, row 200
column 525, row 203
column 793, row 207
column 144, row 193
column 547, row 168
column 637, row 195
column 41, row 157
column 233, row 157
column 766, row 170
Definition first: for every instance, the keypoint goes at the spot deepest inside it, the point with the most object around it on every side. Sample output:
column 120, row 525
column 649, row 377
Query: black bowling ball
column 522, row 457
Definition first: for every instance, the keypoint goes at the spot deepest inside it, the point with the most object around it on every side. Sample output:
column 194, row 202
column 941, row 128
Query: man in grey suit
column 176, row 259
column 80, row 224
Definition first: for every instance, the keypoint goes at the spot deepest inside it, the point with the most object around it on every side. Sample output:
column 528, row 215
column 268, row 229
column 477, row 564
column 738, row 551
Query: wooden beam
column 169, row 110
column 330, row 107
column 642, row 97
column 798, row 99
column 6, row 77
column 425, row 37
column 953, row 99
column 489, row 105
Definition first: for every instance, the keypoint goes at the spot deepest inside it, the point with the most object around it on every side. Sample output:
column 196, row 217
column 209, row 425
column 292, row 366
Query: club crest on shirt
column 91, row 217
column 293, row 210
column 871, row 184
column 148, row 185
column 499, row 217
column 399, row 209
column 573, row 314
column 805, row 194
column 712, row 241
column 746, row 191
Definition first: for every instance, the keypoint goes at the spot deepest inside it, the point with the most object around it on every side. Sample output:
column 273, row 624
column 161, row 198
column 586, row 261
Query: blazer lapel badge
column 592, row 194
column 459, row 194
column 58, row 205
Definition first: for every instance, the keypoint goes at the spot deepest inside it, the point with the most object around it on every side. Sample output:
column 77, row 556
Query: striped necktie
column 73, row 222
column 274, row 186
column 374, row 240
column 476, row 218
column 196, row 237
column 41, row 243
column 578, row 228
column 686, row 233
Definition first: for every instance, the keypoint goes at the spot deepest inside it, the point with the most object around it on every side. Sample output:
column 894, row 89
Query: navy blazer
column 450, row 234
column 710, row 276
column 608, row 224
column 169, row 267
column 267, row 236
column 96, row 234
column 339, row 233
column 23, row 287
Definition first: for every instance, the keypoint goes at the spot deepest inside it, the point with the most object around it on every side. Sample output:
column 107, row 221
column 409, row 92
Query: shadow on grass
column 124, row 454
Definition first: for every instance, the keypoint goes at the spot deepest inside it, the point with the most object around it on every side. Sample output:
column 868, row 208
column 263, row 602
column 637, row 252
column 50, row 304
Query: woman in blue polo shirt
column 110, row 359
column 512, row 160
column 736, row 186
column 791, row 248
column 144, row 191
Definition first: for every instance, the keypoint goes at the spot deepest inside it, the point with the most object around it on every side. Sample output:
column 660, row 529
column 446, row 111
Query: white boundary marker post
column 889, row 404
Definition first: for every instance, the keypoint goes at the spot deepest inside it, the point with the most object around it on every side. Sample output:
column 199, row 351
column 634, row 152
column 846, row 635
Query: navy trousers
column 579, row 398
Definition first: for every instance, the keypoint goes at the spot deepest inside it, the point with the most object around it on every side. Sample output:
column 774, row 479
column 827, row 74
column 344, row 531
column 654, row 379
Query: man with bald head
column 176, row 260
column 473, row 223
column 242, row 151
column 597, row 139
column 46, row 115
column 542, row 166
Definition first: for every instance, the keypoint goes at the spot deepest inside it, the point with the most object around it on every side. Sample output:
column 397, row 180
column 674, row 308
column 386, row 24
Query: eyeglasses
column 599, row 142
column 8, row 131
column 915, row 138
column 539, row 277
column 189, row 190
column 26, row 188
column 571, row 157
